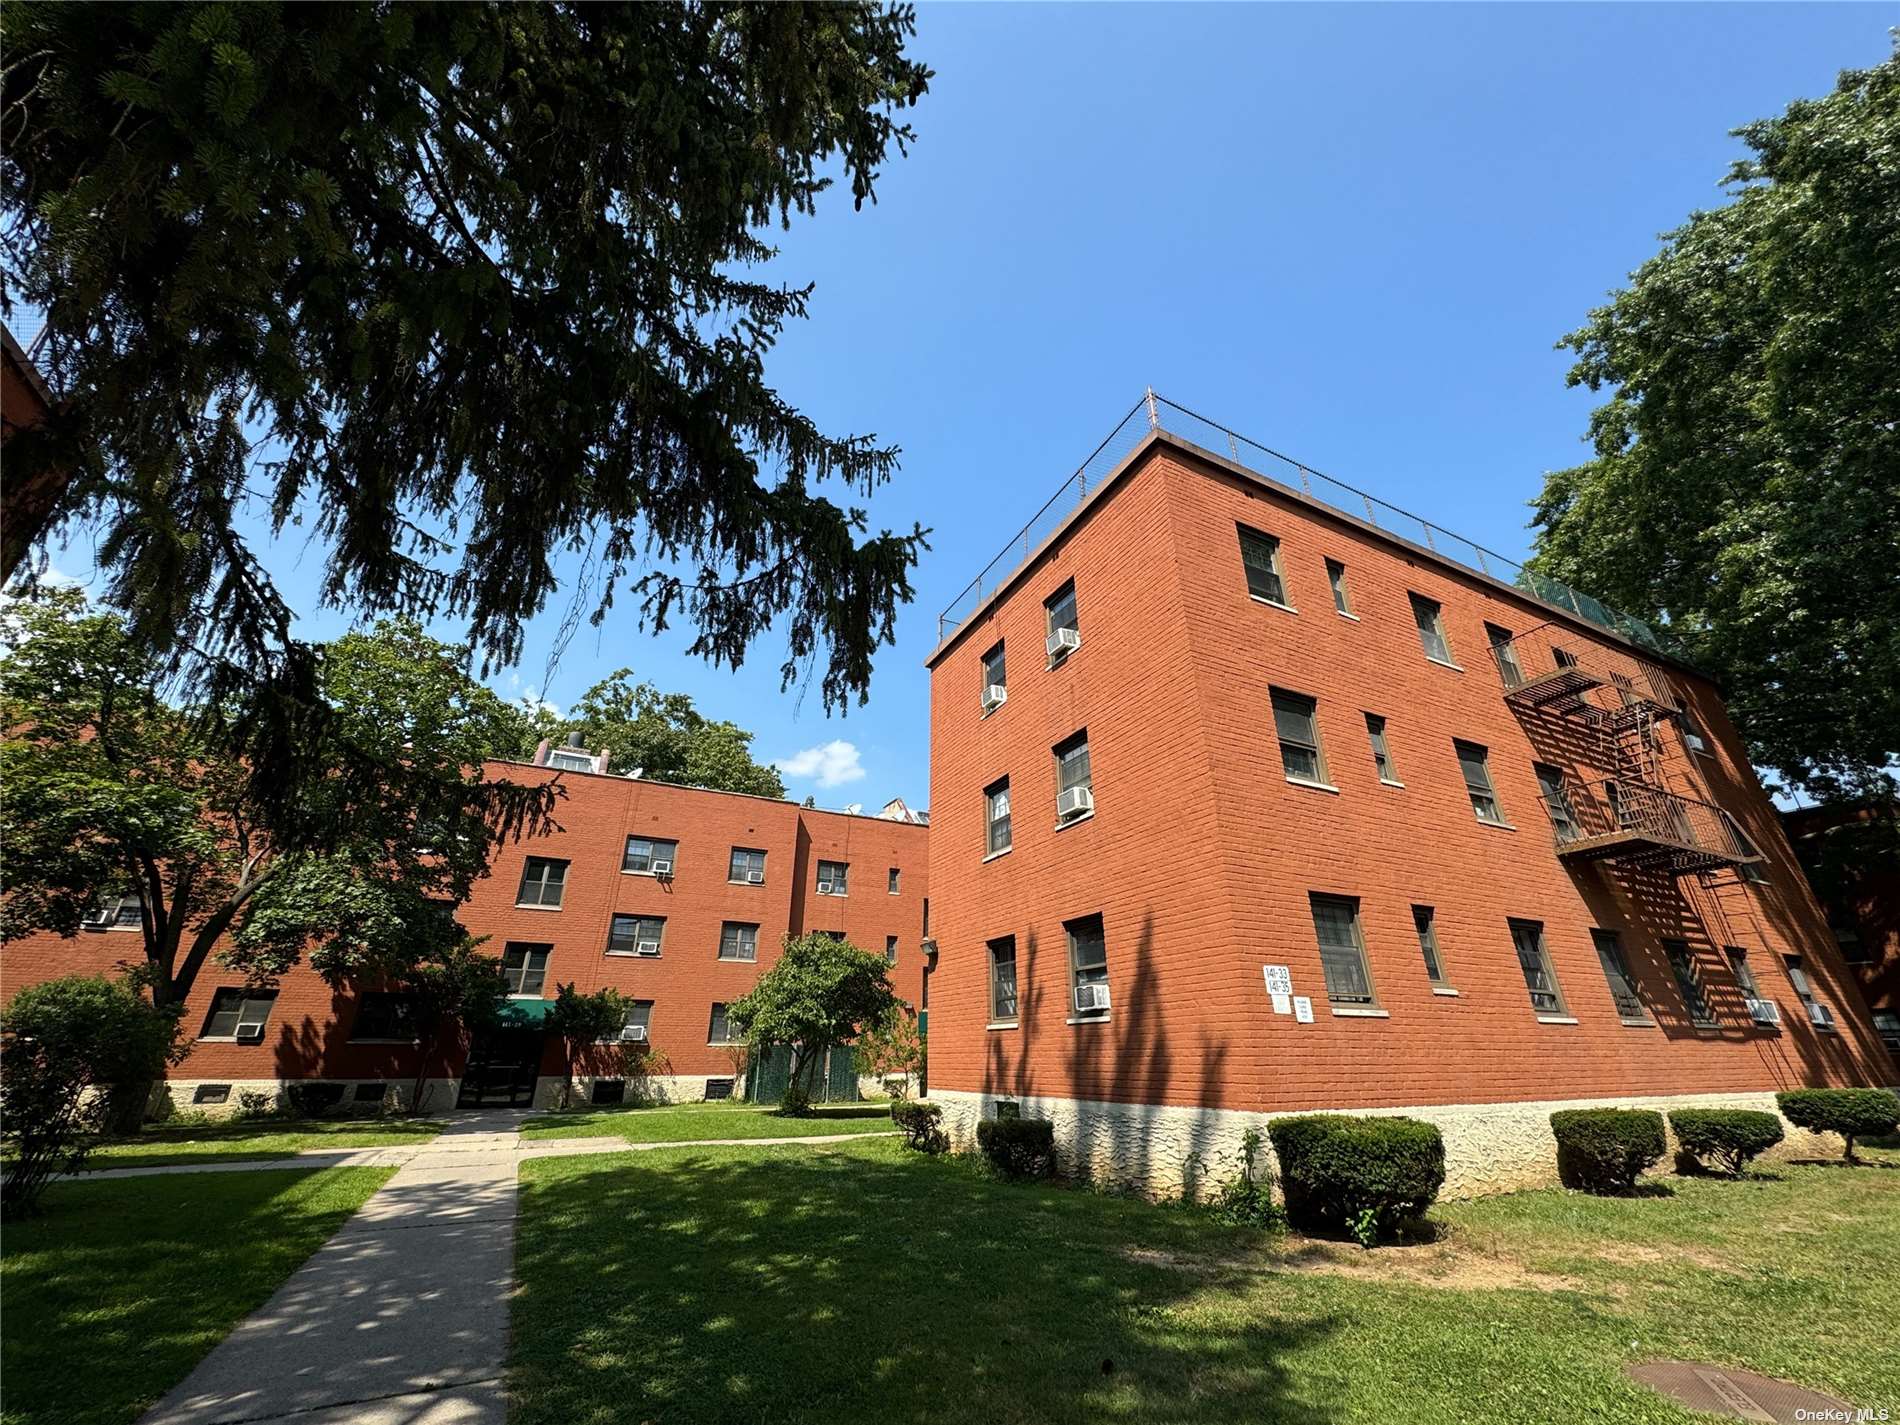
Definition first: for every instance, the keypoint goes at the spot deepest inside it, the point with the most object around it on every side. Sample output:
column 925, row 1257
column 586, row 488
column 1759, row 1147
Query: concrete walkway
column 401, row 1318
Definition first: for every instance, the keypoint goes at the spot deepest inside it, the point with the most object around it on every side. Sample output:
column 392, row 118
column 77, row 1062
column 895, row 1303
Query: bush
column 65, row 1044
column 1019, row 1147
column 922, row 1122
column 1605, row 1150
column 1363, row 1175
column 1244, row 1200
column 1852, row 1113
column 1731, row 1136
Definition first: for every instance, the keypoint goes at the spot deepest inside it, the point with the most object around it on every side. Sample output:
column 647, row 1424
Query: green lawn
column 695, row 1122
column 865, row 1283
column 160, row 1143
column 117, row 1291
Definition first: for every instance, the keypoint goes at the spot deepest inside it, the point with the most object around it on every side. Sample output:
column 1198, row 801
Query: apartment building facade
column 1243, row 806
column 677, row 897
column 1862, row 906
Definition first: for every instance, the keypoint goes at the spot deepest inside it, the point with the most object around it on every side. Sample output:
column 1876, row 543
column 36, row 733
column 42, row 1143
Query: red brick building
column 1214, row 738
column 1862, row 906
column 675, row 896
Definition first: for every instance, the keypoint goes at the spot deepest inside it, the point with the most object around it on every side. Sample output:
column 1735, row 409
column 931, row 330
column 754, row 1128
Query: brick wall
column 1200, row 855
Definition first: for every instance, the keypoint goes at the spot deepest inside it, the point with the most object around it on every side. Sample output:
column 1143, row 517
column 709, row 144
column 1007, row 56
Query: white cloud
column 831, row 763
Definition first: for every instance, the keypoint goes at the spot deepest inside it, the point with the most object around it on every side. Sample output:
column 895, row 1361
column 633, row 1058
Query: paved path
column 401, row 1318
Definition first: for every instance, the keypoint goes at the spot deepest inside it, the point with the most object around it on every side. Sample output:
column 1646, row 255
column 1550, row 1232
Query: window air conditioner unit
column 994, row 696
column 99, row 919
column 250, row 1034
column 1075, row 801
column 755, row 878
column 662, row 868
column 647, row 947
column 1820, row 1016
column 1764, row 1011
column 827, row 888
column 633, row 1034
column 1089, row 997
column 1063, row 641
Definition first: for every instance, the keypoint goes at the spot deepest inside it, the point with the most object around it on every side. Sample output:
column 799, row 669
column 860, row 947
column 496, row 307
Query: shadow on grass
column 868, row 1286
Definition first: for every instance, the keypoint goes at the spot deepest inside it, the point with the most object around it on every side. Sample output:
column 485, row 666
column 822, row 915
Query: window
column 1550, row 783
column 1563, row 657
column 834, row 878
column 1749, row 870
column 894, row 881
column 635, row 934
column 567, row 760
column 639, row 1019
column 1692, row 736
column 1744, row 976
column 1342, row 955
column 1475, row 762
column 1088, row 968
column 1819, row 1015
column 543, row 882
column 890, row 949
column 1260, row 557
column 746, row 866
column 1534, row 961
column 1504, row 654
column 1003, row 979
column 1298, row 730
column 718, row 1031
column 995, row 680
column 126, row 912
column 1616, row 973
column 1381, row 752
column 1342, row 596
column 1887, row 1026
column 221, row 1093
column 1422, row 921
column 525, row 968
column 738, row 941
column 1689, row 981
column 1431, row 628
column 1075, row 788
column 650, row 856
column 384, row 1018
column 996, row 817
column 1065, row 633
column 238, row 1014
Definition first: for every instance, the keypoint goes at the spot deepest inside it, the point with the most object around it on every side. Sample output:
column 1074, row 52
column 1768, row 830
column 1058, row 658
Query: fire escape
column 1611, row 711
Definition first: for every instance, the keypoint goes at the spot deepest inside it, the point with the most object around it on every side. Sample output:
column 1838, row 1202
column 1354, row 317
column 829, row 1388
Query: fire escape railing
column 1635, row 823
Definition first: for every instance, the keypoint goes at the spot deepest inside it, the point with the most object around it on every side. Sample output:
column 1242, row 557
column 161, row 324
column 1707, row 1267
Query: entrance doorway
column 503, row 1064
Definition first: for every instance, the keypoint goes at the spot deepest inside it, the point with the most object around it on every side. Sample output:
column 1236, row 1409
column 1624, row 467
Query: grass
column 121, row 1286
column 161, row 1143
column 696, row 1122
column 861, row 1282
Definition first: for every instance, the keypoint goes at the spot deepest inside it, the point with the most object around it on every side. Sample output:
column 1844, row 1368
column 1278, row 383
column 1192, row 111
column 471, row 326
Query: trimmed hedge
column 1852, row 1113
column 1019, row 1147
column 1605, row 1150
column 1362, row 1175
column 1731, row 1136
column 922, row 1122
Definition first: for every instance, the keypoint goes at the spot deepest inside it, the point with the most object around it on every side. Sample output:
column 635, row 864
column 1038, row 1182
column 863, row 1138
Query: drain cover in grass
column 1740, row 1395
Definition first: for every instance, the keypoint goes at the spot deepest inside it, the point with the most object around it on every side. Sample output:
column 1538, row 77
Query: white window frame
column 996, row 814
column 996, row 961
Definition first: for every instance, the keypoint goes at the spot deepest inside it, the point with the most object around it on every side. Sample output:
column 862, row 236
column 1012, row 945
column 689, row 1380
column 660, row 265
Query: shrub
column 64, row 1045
column 256, row 1103
column 1852, row 1113
column 1244, row 1200
column 922, row 1122
column 1605, row 1150
column 1730, row 1136
column 1364, row 1175
column 1019, row 1147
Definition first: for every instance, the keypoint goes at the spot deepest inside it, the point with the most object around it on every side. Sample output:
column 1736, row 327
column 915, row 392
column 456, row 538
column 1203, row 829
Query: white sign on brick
column 1279, row 979
column 1303, row 1009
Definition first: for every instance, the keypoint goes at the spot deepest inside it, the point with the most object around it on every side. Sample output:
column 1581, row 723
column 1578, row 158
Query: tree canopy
column 469, row 288
column 661, row 734
column 111, row 791
column 822, row 992
column 1747, row 469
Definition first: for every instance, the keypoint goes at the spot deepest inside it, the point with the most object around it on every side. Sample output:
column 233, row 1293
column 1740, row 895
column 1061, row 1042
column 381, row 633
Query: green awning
column 525, row 1013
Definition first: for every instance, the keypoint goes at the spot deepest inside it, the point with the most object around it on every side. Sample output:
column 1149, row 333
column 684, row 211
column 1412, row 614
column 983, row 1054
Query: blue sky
column 1353, row 232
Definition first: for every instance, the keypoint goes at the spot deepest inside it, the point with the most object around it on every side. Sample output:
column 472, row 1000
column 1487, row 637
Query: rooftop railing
column 1153, row 412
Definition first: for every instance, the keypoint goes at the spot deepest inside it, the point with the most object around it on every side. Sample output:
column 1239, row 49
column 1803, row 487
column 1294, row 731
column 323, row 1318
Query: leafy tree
column 892, row 1046
column 662, row 734
column 65, row 1046
column 467, row 287
column 822, row 992
column 1747, row 464
column 456, row 990
column 580, row 1022
column 111, row 790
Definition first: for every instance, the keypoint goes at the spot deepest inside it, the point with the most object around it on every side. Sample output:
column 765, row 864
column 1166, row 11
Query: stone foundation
column 267, row 1095
column 1163, row 1150
column 653, row 1088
